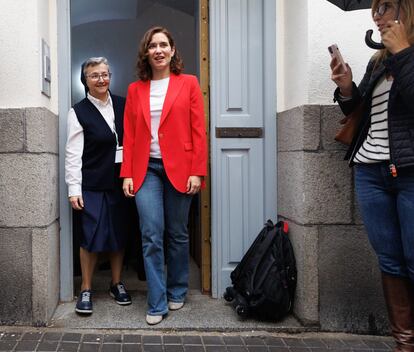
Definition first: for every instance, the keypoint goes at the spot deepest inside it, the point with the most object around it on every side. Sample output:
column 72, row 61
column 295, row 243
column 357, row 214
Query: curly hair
column 143, row 67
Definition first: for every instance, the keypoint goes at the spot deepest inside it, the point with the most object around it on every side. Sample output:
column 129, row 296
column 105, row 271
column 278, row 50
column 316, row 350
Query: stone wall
column 339, row 286
column 29, row 229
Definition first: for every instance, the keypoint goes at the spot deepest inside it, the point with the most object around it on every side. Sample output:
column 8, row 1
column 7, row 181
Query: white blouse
column 75, row 142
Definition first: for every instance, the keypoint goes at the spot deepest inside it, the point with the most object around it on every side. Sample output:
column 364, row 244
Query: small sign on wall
column 46, row 71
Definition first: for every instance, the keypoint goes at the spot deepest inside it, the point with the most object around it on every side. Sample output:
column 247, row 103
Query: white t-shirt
column 158, row 92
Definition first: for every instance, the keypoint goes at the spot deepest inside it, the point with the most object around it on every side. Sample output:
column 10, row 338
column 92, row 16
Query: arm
column 198, row 131
column 73, row 160
column 198, row 136
column 349, row 103
column 401, row 66
column 128, row 142
column 199, row 140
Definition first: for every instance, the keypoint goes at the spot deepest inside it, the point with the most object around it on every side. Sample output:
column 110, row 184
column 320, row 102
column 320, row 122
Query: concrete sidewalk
column 204, row 324
column 102, row 340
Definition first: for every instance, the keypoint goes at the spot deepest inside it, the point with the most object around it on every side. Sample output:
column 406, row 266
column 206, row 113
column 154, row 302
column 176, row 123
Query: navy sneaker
column 120, row 294
column 84, row 303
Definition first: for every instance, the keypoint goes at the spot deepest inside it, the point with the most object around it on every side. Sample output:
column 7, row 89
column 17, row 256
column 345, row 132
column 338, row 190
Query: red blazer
column 182, row 133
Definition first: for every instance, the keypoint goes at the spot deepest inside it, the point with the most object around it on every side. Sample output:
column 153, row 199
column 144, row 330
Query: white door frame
column 269, row 101
column 64, row 82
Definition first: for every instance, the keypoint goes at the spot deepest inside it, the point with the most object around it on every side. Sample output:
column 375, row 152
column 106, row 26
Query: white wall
column 22, row 26
column 292, row 52
column 305, row 29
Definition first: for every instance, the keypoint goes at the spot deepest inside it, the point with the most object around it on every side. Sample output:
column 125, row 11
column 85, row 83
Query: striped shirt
column 376, row 145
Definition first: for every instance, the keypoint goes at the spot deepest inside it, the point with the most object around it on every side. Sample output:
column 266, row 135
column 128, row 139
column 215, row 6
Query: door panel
column 239, row 72
column 241, row 204
column 244, row 121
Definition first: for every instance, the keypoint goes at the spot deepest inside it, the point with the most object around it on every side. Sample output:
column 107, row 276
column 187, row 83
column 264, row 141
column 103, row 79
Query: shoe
column 120, row 294
column 153, row 319
column 84, row 303
column 399, row 299
column 175, row 305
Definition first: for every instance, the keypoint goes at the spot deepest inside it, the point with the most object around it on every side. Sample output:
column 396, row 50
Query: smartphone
column 335, row 53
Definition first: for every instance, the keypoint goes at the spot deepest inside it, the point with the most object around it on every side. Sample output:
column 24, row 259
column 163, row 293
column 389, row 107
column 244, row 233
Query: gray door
column 243, row 128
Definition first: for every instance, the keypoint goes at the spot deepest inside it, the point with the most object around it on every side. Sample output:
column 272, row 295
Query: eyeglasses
column 383, row 8
column 106, row 76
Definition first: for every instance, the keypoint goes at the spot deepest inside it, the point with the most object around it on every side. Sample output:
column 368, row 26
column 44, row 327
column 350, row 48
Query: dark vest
column 99, row 172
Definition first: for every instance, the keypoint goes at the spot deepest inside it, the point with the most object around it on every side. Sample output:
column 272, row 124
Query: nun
column 92, row 166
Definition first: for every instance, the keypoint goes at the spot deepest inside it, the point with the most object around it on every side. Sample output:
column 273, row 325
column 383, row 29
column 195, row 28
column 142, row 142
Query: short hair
column 143, row 67
column 91, row 62
column 94, row 61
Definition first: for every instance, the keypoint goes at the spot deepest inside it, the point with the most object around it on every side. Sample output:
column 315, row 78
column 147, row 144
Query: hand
column 193, row 184
column 394, row 37
column 76, row 202
column 128, row 187
column 342, row 80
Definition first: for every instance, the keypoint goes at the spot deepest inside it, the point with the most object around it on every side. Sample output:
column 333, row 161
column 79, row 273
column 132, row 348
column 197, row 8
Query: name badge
column 118, row 154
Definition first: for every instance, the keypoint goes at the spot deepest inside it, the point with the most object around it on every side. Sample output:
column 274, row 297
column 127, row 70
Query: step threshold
column 200, row 313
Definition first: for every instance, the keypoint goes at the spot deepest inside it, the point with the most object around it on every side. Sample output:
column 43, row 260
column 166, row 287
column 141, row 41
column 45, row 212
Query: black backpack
column 264, row 282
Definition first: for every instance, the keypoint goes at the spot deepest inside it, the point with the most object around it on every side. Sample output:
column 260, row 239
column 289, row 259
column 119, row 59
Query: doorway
column 113, row 29
column 235, row 36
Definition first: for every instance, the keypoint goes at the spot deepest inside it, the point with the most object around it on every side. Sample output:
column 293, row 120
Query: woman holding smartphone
column 165, row 160
column 382, row 153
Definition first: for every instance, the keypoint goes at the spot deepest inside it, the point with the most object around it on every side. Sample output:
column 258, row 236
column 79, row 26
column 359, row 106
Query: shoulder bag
column 349, row 126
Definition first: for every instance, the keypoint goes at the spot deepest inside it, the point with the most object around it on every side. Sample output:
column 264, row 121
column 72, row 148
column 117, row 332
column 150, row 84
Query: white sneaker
column 175, row 305
column 153, row 319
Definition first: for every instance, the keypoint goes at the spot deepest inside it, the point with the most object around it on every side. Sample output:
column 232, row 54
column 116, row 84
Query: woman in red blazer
column 164, row 162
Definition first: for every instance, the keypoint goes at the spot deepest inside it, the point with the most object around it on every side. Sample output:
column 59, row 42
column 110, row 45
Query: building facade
column 264, row 70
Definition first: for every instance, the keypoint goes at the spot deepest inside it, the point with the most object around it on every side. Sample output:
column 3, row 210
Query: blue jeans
column 162, row 208
column 387, row 207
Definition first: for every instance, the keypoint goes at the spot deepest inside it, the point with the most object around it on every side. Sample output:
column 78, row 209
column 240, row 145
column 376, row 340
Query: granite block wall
column 339, row 287
column 29, row 228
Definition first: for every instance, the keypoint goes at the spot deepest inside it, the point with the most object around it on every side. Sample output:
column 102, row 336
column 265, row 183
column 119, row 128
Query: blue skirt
column 102, row 226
